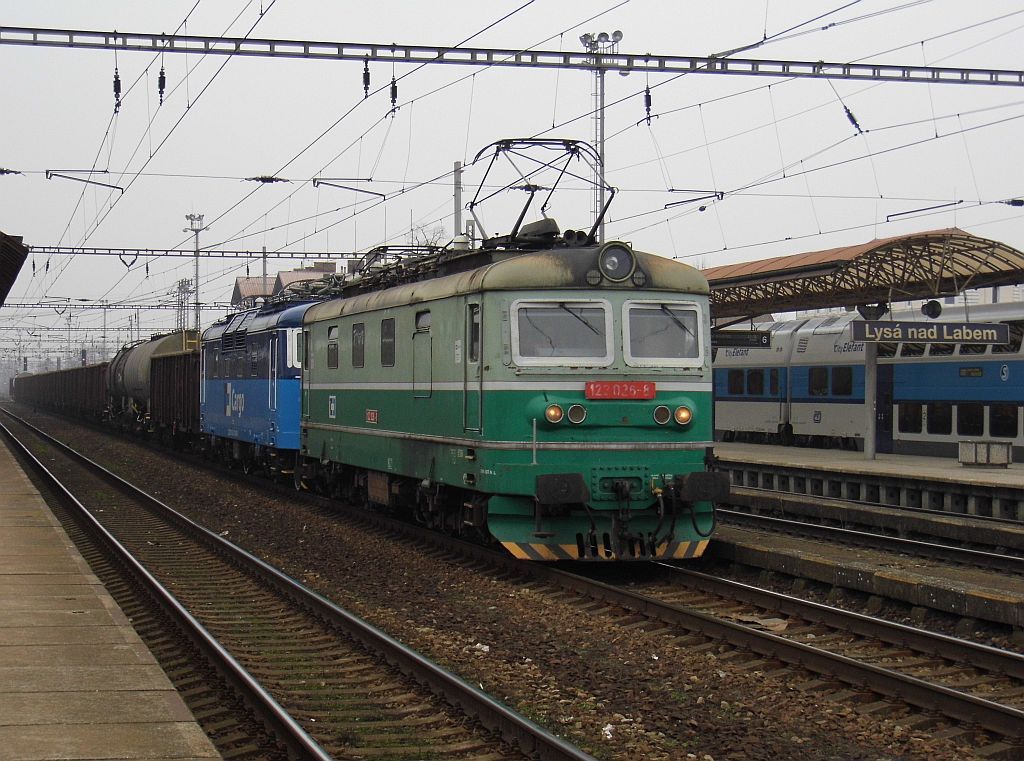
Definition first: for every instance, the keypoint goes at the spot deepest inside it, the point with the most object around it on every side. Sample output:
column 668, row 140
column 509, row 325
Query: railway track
column 933, row 550
column 880, row 668
column 325, row 683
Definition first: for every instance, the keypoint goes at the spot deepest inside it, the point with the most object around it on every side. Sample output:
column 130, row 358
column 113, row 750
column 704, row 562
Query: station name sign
column 931, row 332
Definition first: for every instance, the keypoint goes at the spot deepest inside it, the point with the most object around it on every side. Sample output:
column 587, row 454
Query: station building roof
column 12, row 255
column 901, row 268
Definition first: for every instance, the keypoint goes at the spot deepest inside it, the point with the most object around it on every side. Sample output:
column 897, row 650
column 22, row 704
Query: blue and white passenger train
column 808, row 388
column 249, row 387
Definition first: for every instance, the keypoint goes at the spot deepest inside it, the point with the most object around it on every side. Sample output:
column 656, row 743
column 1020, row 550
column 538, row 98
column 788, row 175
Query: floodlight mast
column 195, row 227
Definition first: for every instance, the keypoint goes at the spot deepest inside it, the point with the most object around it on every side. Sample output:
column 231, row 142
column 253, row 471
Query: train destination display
column 931, row 332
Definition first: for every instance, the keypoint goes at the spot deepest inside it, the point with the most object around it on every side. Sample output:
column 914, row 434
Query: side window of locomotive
column 773, row 381
column 940, row 418
column 1003, row 420
column 735, row 382
column 662, row 333
column 387, row 342
column 332, row 347
column 296, row 342
column 423, row 321
column 817, row 381
column 910, row 417
column 842, row 381
column 755, row 382
column 556, row 332
column 1016, row 334
column 358, row 344
column 473, row 320
column 970, row 418
column 307, row 351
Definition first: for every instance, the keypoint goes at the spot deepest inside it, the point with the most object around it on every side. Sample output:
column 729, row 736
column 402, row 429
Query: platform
column 914, row 481
column 76, row 682
column 941, row 469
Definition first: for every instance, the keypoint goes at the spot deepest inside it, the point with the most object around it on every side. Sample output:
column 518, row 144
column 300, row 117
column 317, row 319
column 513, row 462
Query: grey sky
column 922, row 146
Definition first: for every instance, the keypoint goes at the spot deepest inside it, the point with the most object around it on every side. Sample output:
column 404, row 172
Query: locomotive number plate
column 620, row 389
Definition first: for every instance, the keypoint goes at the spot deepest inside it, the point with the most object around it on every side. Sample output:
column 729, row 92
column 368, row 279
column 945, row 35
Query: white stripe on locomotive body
column 694, row 387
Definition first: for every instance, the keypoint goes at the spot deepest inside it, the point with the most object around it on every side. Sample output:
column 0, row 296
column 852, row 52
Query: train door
column 274, row 367
column 883, row 409
column 472, row 387
column 307, row 368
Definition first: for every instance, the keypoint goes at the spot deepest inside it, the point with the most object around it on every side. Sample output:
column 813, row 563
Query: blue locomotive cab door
column 472, row 384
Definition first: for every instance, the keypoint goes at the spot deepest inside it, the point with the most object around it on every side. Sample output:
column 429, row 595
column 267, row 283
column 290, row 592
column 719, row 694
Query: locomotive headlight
column 662, row 414
column 616, row 261
column 577, row 414
column 683, row 415
column 553, row 413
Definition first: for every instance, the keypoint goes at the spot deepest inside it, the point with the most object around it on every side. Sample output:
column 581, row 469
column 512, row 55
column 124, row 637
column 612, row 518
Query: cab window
column 561, row 333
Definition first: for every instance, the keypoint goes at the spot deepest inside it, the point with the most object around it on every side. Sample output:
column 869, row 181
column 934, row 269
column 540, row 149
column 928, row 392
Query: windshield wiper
column 677, row 321
column 580, row 317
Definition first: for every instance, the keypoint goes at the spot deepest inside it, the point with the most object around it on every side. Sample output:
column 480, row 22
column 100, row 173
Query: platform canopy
column 12, row 255
column 903, row 268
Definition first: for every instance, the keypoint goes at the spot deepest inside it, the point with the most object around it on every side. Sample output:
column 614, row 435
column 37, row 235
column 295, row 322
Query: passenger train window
column 887, row 349
column 912, row 350
column 941, row 350
column 817, row 381
column 735, row 382
column 387, row 342
column 773, row 381
column 842, row 381
column 755, row 382
column 973, row 348
column 940, row 418
column 1016, row 334
column 1003, row 420
column 358, row 344
column 970, row 418
column 910, row 417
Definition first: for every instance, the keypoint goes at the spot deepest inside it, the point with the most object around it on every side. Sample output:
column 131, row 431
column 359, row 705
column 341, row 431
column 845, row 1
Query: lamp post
column 599, row 44
column 195, row 227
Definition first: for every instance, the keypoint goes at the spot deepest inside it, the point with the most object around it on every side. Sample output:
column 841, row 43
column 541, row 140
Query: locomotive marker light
column 553, row 413
column 683, row 415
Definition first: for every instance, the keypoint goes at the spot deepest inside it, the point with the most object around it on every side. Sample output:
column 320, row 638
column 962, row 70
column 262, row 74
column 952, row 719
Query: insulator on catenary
column 161, row 83
column 117, row 91
column 394, row 95
column 852, row 118
column 366, row 77
column 647, row 103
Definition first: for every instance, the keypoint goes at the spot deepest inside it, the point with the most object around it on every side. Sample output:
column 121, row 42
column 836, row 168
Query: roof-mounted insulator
column 394, row 96
column 366, row 77
column 853, row 119
column 647, row 103
column 117, row 91
column 161, row 84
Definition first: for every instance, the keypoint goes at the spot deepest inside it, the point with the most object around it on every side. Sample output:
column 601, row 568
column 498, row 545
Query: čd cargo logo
column 234, row 403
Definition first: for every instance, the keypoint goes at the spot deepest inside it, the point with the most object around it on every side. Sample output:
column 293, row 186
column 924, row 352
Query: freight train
column 808, row 388
column 543, row 392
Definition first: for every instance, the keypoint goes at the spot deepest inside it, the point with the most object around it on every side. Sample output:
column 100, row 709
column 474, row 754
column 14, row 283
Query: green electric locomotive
column 543, row 392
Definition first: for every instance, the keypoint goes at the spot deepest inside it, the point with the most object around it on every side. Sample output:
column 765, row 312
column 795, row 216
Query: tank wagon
column 130, row 375
column 553, row 396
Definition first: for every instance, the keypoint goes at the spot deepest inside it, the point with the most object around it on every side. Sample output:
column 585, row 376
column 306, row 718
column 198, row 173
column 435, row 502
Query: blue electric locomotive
column 250, row 384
